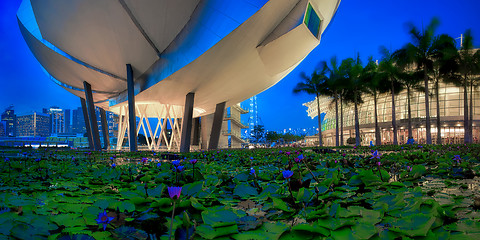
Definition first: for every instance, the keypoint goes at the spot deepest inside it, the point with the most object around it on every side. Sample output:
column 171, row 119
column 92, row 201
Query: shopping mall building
column 451, row 116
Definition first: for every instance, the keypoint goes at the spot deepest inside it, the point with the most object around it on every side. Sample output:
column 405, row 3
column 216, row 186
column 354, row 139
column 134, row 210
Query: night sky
column 359, row 26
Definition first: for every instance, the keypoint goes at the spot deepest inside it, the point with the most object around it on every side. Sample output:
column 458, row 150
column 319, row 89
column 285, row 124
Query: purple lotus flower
column 457, row 158
column 104, row 219
column 176, row 163
column 287, row 174
column 179, row 168
column 376, row 155
column 174, row 192
column 193, row 161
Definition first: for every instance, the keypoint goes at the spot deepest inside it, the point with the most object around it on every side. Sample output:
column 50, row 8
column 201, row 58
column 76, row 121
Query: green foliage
column 346, row 199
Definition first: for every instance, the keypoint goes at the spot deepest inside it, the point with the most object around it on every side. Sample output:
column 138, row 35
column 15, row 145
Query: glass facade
column 451, row 116
column 312, row 20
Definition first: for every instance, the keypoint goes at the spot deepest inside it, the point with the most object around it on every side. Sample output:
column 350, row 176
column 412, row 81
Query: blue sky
column 359, row 26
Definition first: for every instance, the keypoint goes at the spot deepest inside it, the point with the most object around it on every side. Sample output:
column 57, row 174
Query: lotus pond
column 389, row 192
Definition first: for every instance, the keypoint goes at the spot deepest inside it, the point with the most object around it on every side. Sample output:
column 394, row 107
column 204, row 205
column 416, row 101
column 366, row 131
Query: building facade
column 33, row 125
column 78, row 124
column 451, row 116
column 9, row 117
column 57, row 119
column 232, row 127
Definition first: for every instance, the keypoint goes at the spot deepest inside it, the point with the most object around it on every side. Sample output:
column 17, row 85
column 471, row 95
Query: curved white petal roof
column 220, row 50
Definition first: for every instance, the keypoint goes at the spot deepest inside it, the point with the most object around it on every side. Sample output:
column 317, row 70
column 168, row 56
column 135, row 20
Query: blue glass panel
column 313, row 21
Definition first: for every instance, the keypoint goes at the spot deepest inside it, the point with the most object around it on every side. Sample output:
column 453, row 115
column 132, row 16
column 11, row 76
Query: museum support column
column 216, row 126
column 87, row 123
column 187, row 123
column 91, row 116
column 132, row 119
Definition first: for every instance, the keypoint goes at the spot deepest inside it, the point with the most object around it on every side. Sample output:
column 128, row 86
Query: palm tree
column 354, row 70
column 334, row 86
column 446, row 51
column 422, row 51
column 410, row 80
column 390, row 71
column 467, row 68
column 315, row 85
column 374, row 86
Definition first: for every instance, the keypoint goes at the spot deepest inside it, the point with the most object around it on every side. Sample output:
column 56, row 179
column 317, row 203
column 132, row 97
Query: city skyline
column 357, row 27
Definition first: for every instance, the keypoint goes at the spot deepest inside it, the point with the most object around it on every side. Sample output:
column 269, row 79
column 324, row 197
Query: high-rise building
column 78, row 124
column 68, row 120
column 10, row 121
column 57, row 120
column 33, row 125
column 3, row 127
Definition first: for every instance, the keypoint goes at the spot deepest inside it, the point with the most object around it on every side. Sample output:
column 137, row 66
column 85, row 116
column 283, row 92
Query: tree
column 465, row 70
column 469, row 66
column 375, row 85
column 142, row 140
column 333, row 89
column 315, row 85
column 409, row 79
column 446, row 51
column 272, row 136
column 421, row 52
column 353, row 69
column 390, row 71
column 258, row 133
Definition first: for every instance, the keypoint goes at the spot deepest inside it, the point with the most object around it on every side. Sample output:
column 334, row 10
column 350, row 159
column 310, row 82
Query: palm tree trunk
column 336, row 120
column 357, row 125
column 439, row 127
column 427, row 107
column 470, row 122
column 319, row 122
column 341, row 121
column 410, row 132
column 394, row 119
column 378, row 140
column 466, row 136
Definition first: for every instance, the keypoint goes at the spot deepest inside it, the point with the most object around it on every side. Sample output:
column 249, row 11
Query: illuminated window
column 312, row 21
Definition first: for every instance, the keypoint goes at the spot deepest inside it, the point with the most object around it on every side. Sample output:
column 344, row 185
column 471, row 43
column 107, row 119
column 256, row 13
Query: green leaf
column 192, row 189
column 244, row 191
column 210, row 232
column 280, row 204
column 416, row 225
column 343, row 234
column 157, row 191
column 364, row 231
column 101, row 203
column 218, row 217
column 313, row 228
column 196, row 204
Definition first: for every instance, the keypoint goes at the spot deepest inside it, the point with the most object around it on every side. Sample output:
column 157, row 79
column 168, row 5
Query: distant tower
column 10, row 119
column 253, row 119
